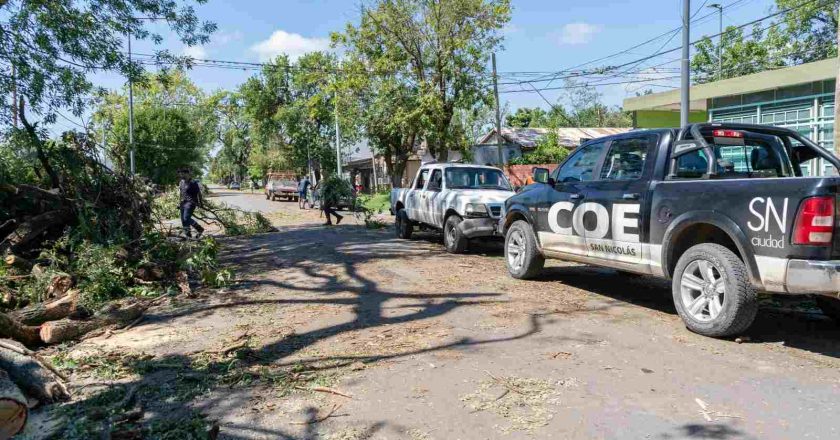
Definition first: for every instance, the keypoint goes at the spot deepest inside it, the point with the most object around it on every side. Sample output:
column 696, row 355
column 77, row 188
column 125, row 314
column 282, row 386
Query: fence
column 518, row 174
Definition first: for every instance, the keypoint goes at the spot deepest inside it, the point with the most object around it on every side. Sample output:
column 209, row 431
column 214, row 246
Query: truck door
column 561, row 232
column 413, row 201
column 614, row 214
column 432, row 203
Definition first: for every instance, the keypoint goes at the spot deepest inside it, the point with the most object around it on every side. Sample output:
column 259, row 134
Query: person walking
column 303, row 190
column 331, row 193
column 190, row 199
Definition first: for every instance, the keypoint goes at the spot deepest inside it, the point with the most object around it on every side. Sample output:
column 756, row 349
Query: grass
column 376, row 203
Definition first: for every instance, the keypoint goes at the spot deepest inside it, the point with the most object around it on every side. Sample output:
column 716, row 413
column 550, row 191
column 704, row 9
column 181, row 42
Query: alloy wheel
column 703, row 290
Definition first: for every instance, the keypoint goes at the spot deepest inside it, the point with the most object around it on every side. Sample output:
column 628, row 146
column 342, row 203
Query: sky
column 542, row 36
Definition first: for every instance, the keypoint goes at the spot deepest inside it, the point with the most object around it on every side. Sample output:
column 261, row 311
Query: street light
column 720, row 38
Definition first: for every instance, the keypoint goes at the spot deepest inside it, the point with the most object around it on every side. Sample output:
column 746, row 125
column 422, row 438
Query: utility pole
column 130, row 112
column 337, row 137
column 720, row 39
column 498, row 116
column 686, row 73
column 837, row 101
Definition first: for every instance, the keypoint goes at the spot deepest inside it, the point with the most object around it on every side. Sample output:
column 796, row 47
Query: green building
column 799, row 97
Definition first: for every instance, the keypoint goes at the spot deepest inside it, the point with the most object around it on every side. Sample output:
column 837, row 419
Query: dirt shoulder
column 436, row 346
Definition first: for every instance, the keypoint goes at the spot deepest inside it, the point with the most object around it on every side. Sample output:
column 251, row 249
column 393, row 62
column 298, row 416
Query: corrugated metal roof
column 568, row 136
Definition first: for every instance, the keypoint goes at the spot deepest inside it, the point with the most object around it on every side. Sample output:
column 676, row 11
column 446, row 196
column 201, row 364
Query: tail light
column 815, row 221
column 727, row 134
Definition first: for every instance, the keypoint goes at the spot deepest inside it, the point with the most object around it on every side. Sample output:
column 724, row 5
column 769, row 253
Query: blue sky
column 543, row 35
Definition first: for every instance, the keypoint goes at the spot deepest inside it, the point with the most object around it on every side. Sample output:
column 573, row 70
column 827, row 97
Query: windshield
column 476, row 178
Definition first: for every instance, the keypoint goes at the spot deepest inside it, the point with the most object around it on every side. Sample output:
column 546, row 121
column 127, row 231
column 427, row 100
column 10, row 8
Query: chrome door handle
column 633, row 196
column 575, row 196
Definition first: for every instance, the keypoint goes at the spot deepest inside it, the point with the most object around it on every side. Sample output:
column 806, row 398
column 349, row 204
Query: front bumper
column 478, row 227
column 817, row 277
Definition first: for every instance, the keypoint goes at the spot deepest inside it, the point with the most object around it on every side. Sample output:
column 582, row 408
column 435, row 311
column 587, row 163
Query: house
column 799, row 97
column 519, row 141
column 372, row 173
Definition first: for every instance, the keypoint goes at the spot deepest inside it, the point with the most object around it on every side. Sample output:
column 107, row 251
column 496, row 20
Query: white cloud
column 225, row 37
column 578, row 33
column 293, row 45
column 197, row 52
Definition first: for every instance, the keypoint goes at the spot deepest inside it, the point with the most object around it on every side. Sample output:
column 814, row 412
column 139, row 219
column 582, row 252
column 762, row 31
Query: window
column 476, row 178
column 626, row 159
column 421, row 179
column 581, row 166
column 436, row 182
column 692, row 165
column 757, row 158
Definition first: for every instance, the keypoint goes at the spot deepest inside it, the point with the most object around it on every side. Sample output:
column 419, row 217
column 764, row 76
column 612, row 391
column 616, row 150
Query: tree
column 164, row 141
column 806, row 32
column 53, row 45
column 527, row 117
column 442, row 47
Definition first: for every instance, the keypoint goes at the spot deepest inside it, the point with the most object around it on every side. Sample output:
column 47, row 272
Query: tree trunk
column 13, row 408
column 40, row 313
column 27, row 335
column 28, row 232
column 32, row 378
column 66, row 329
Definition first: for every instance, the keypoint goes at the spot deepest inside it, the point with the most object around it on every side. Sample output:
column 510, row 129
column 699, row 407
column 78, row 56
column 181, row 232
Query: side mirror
column 540, row 175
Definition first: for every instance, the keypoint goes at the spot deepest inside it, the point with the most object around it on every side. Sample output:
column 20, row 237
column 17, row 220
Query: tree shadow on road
column 315, row 266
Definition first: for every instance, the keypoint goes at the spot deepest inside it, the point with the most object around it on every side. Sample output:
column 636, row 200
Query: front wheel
column 712, row 291
column 453, row 239
column 523, row 259
column 403, row 225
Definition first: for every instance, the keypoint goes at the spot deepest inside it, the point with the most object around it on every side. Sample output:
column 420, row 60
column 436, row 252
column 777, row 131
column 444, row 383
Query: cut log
column 12, row 329
column 13, row 408
column 60, row 284
column 18, row 263
column 33, row 379
column 66, row 329
column 49, row 311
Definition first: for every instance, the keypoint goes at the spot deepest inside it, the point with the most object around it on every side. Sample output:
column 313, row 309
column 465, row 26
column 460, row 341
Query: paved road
column 438, row 346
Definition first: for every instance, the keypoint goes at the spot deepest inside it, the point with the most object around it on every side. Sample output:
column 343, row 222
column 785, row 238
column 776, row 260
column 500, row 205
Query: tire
column 522, row 258
column 726, row 310
column 403, row 225
column 453, row 239
column 830, row 307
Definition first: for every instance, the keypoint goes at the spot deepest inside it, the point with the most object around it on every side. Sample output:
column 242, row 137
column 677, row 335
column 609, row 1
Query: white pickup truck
column 465, row 201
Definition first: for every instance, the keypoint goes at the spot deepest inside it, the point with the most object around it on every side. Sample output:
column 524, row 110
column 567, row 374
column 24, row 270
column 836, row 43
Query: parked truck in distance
column 464, row 201
column 281, row 185
column 723, row 210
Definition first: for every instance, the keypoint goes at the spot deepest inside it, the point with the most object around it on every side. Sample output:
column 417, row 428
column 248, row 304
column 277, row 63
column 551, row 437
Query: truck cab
column 722, row 210
column 464, row 201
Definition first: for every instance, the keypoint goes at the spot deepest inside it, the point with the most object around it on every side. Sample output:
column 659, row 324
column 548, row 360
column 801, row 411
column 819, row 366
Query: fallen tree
column 14, row 410
column 40, row 313
column 112, row 315
column 33, row 378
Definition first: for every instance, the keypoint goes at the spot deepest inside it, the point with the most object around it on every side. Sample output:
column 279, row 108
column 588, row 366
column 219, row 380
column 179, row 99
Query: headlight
column 476, row 210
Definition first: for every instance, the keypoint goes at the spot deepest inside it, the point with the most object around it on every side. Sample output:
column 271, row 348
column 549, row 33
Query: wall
column 518, row 174
column 664, row 118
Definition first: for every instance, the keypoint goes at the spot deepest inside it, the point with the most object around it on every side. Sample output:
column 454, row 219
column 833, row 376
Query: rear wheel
column 712, row 291
column 403, row 225
column 523, row 259
column 453, row 239
column 830, row 307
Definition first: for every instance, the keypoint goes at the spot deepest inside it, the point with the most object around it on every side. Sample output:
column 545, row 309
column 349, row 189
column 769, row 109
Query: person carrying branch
column 333, row 190
column 190, row 199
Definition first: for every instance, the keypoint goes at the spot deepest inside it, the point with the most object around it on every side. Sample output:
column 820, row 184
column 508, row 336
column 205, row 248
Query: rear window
column 757, row 158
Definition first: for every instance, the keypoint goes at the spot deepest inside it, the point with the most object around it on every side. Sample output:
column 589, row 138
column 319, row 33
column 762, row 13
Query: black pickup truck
column 721, row 209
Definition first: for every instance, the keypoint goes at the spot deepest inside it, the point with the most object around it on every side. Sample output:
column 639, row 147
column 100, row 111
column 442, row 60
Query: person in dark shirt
column 190, row 199
column 303, row 190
